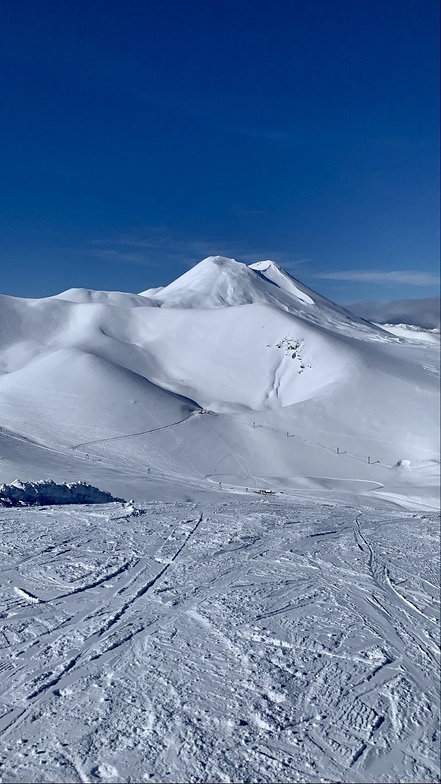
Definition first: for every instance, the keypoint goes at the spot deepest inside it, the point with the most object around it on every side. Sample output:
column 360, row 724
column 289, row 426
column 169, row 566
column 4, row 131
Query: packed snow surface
column 267, row 607
column 242, row 640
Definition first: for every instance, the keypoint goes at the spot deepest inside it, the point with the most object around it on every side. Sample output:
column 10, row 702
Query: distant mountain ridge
column 424, row 312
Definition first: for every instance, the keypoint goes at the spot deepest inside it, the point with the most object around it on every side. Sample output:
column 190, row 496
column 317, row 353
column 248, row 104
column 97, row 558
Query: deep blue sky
column 138, row 137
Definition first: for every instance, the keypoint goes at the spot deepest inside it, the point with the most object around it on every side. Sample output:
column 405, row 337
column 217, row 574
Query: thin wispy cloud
column 239, row 209
column 259, row 133
column 112, row 254
column 377, row 276
column 292, row 263
column 154, row 240
column 156, row 246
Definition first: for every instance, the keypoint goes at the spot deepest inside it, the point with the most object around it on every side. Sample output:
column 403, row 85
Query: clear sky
column 139, row 136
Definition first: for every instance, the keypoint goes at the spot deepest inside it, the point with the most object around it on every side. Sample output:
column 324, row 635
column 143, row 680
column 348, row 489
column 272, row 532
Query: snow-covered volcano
column 232, row 374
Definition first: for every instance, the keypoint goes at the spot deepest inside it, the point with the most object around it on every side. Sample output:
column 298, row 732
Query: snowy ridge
column 219, row 282
column 117, row 298
column 48, row 492
column 216, row 282
column 411, row 332
column 277, row 275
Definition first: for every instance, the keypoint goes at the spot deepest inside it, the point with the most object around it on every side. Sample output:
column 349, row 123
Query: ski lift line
column 360, row 458
column 130, row 435
column 378, row 440
column 255, row 425
column 163, row 462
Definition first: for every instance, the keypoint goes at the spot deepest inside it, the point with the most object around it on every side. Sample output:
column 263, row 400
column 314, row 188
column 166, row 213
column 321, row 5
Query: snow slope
column 267, row 607
column 230, row 373
column 235, row 642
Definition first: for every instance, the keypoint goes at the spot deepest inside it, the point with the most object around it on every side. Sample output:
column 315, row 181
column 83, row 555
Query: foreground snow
column 243, row 640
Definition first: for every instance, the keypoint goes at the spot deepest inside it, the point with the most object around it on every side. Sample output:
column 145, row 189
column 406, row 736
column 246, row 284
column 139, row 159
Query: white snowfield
column 240, row 374
column 266, row 608
column 241, row 641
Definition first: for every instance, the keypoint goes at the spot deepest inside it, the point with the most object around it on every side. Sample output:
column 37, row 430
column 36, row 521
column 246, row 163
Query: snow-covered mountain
column 232, row 374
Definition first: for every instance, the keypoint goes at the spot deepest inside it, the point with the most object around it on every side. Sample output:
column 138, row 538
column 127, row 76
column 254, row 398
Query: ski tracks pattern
column 259, row 641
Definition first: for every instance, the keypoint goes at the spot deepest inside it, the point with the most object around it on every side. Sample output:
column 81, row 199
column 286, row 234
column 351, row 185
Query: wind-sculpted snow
column 47, row 492
column 241, row 641
column 230, row 370
column 117, row 299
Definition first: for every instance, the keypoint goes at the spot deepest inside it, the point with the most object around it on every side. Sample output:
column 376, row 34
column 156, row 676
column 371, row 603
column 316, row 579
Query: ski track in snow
column 240, row 641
